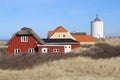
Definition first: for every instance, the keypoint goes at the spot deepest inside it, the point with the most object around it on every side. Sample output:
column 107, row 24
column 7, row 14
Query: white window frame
column 67, row 48
column 17, row 51
column 44, row 50
column 64, row 36
column 31, row 50
column 56, row 50
column 24, row 38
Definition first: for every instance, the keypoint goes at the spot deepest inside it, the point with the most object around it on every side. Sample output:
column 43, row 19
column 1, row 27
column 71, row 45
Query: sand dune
column 104, row 67
column 79, row 68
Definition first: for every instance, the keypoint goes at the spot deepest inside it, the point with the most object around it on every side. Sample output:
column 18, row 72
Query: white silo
column 97, row 28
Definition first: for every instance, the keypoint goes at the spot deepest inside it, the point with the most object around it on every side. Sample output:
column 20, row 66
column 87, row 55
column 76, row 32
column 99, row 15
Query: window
column 67, row 46
column 31, row 50
column 55, row 50
column 44, row 50
column 64, row 35
column 59, row 35
column 24, row 38
column 17, row 51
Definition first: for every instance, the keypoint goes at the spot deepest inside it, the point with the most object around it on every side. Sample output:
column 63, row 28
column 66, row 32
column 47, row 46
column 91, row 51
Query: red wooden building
column 58, row 45
column 27, row 41
column 24, row 41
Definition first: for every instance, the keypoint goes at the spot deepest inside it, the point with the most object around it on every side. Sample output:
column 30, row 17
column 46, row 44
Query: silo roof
column 97, row 19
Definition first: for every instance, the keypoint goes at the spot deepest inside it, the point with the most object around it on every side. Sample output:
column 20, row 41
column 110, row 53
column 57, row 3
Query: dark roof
column 97, row 19
column 28, row 32
column 60, row 41
column 77, row 33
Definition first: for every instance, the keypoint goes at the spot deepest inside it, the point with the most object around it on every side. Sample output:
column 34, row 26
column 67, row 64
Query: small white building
column 97, row 28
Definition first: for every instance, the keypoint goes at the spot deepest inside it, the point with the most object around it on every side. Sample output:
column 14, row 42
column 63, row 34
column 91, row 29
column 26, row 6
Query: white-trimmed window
column 24, row 38
column 64, row 36
column 17, row 51
column 55, row 50
column 31, row 50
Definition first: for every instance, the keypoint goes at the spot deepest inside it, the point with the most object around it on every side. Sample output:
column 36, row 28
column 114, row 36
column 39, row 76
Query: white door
column 67, row 48
column 44, row 50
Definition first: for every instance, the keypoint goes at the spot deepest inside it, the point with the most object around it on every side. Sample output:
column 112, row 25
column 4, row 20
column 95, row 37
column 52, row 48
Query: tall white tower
column 97, row 28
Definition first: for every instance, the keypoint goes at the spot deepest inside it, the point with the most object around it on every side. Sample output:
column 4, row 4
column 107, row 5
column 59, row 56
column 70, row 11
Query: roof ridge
column 60, row 29
column 97, row 18
column 27, row 32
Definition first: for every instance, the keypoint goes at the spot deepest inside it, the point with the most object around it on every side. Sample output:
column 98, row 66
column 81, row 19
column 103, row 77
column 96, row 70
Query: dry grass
column 3, row 47
column 2, row 43
column 110, row 41
column 99, row 62
column 113, row 41
column 79, row 68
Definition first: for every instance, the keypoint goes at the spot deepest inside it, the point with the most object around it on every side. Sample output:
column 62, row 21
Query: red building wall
column 51, row 48
column 75, row 46
column 60, row 48
column 24, row 46
column 16, row 43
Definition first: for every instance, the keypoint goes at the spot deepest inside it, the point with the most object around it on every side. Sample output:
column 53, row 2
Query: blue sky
column 45, row 15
